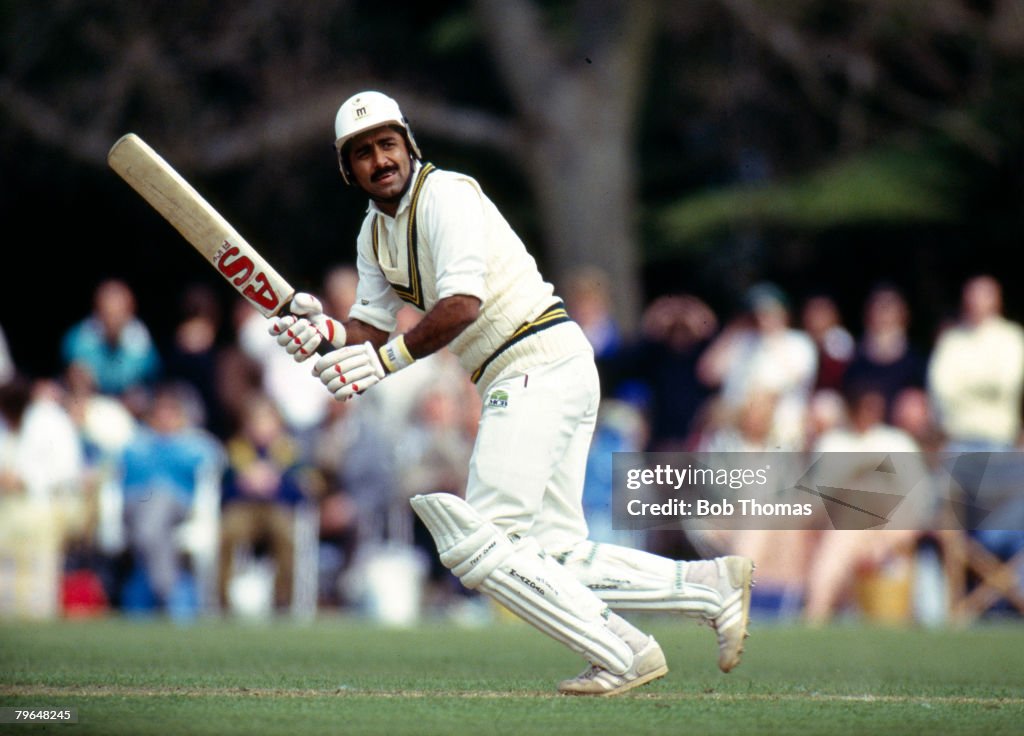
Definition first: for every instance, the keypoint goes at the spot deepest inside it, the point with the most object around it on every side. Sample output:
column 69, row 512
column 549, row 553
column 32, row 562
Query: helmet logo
column 360, row 112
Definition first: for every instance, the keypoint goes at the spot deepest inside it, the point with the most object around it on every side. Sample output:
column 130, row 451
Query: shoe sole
column 656, row 673
column 741, row 573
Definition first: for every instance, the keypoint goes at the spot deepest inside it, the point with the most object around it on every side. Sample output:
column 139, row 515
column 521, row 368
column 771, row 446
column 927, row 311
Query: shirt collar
column 406, row 199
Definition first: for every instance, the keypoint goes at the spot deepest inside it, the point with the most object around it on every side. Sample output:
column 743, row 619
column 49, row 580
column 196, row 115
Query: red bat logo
column 239, row 270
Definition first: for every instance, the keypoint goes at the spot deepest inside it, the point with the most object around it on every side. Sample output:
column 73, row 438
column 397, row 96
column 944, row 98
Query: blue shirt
column 165, row 462
column 132, row 361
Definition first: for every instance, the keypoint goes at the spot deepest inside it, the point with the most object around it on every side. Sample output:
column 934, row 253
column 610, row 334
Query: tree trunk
column 578, row 105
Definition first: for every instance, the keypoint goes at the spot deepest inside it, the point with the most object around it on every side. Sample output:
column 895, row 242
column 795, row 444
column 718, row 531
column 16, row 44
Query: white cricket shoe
column 735, row 577
column 648, row 664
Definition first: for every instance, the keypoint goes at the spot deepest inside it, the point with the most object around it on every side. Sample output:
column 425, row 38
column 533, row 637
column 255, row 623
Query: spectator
column 337, row 545
column 40, row 464
column 826, row 411
column 975, row 381
column 358, row 460
column 432, row 451
column 433, row 454
column 674, row 332
column 264, row 481
column 761, row 353
column 41, row 459
column 781, row 553
column 357, row 456
column 747, row 428
column 884, row 359
column 912, row 412
column 193, row 354
column 848, row 551
column 976, row 373
column 104, row 426
column 822, row 322
column 239, row 374
column 113, row 343
column 295, row 392
column 159, row 472
column 588, row 300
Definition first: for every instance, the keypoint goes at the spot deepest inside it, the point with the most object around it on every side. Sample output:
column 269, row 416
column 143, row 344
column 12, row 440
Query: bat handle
column 325, row 345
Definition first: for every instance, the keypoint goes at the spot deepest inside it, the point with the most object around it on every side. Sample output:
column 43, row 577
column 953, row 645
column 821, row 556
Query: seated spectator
column 823, row 323
column 193, row 353
column 825, row 412
column 160, row 467
column 40, row 496
column 263, row 482
column 662, row 365
column 761, row 353
column 296, row 393
column 114, row 343
column 884, row 358
column 912, row 412
column 745, row 428
column 849, row 550
column 104, row 423
column 781, row 553
column 104, row 426
column 41, row 458
column 432, row 453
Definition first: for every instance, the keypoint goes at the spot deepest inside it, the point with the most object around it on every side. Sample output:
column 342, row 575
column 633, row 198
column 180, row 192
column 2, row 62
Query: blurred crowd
column 206, row 471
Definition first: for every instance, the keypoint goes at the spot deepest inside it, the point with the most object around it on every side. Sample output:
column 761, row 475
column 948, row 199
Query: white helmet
column 365, row 111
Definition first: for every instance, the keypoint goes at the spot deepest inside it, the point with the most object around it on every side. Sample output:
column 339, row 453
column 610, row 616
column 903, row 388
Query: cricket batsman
column 431, row 238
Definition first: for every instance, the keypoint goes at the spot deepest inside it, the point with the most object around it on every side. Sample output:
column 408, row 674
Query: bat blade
column 200, row 224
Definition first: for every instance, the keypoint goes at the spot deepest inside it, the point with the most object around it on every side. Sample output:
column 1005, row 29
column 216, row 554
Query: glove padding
column 350, row 370
column 302, row 331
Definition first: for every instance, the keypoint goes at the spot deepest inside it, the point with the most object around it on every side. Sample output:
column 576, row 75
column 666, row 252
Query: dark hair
column 15, row 396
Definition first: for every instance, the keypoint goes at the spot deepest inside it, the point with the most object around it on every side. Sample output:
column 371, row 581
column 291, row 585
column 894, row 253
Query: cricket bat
column 201, row 225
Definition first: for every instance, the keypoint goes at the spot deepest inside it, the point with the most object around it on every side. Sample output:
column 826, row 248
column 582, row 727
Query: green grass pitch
column 341, row 676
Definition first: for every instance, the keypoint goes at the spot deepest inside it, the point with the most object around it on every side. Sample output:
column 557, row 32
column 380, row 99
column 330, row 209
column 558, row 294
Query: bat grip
column 325, row 345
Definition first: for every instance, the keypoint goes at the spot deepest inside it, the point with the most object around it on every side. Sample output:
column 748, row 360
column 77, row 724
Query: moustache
column 381, row 173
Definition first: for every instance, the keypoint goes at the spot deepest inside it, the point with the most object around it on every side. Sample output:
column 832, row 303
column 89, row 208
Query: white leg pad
column 523, row 579
column 633, row 580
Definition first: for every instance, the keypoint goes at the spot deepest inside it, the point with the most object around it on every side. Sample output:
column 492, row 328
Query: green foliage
column 453, row 33
column 891, row 185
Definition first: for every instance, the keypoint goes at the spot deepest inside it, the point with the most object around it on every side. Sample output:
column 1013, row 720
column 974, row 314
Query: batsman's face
column 381, row 165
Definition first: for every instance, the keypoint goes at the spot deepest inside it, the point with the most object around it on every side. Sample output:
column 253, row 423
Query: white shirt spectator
column 975, row 379
column 44, row 452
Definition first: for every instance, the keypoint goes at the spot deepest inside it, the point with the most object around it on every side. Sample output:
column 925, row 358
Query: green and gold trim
column 553, row 315
column 413, row 293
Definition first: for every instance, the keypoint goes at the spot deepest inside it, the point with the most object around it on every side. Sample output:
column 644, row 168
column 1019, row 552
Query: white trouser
column 526, row 477
column 526, row 473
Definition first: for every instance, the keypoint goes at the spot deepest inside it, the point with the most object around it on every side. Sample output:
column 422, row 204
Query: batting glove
column 350, row 370
column 302, row 331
